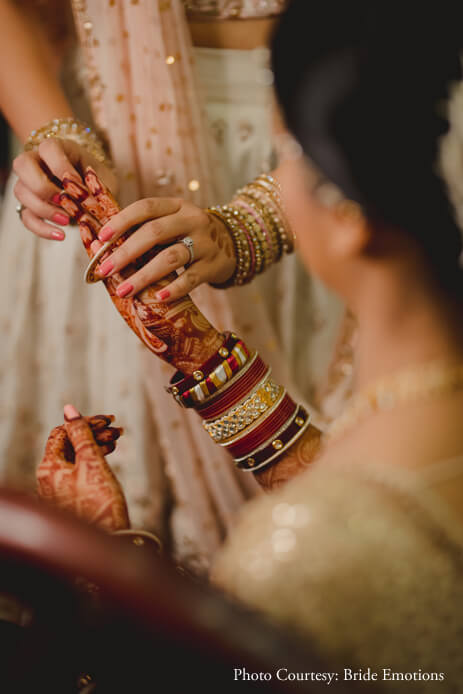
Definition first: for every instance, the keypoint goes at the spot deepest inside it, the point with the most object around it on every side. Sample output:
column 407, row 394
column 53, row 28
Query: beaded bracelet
column 69, row 129
column 272, row 189
column 258, row 228
column 244, row 250
column 259, row 208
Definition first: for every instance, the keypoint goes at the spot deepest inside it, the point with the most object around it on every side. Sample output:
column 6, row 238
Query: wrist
column 243, row 409
column 258, row 227
column 211, row 340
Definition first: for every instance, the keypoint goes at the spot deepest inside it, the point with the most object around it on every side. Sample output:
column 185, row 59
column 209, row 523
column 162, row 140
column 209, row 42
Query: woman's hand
column 38, row 187
column 163, row 222
column 74, row 474
column 179, row 333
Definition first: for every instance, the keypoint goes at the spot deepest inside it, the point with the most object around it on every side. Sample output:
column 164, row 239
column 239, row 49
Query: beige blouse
column 366, row 562
column 233, row 9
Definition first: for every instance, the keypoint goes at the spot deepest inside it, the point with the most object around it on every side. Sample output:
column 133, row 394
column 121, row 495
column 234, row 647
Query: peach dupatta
column 142, row 87
column 143, row 90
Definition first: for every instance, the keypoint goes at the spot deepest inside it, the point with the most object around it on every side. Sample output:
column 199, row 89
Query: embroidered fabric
column 363, row 560
column 233, row 9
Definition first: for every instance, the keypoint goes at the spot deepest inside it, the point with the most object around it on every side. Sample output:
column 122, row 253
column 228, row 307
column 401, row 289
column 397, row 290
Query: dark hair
column 363, row 86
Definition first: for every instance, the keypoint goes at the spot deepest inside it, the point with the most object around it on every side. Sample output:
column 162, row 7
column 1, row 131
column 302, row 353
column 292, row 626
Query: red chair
column 145, row 628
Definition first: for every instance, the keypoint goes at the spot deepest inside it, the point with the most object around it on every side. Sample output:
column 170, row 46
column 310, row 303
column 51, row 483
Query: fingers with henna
column 100, row 421
column 88, row 230
column 107, row 448
column 80, row 194
column 70, row 206
column 81, row 436
column 108, row 435
column 107, row 202
column 56, row 445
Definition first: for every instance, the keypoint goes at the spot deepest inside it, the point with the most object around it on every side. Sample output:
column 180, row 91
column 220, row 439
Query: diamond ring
column 188, row 243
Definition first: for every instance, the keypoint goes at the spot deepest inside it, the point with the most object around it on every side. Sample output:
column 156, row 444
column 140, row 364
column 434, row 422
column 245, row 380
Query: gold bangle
column 139, row 538
column 283, row 226
column 257, row 422
column 271, row 245
column 240, row 416
column 269, row 209
column 242, row 250
column 69, row 129
column 255, row 233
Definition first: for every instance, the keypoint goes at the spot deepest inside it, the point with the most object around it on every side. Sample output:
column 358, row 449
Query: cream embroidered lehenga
column 62, row 340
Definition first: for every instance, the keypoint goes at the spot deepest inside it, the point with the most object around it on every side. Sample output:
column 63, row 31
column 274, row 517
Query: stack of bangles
column 258, row 227
column 242, row 407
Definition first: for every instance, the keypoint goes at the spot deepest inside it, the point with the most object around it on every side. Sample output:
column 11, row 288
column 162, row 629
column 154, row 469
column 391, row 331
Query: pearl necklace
column 415, row 383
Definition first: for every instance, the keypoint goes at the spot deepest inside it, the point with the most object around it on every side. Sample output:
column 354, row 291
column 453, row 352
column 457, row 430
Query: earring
column 348, row 211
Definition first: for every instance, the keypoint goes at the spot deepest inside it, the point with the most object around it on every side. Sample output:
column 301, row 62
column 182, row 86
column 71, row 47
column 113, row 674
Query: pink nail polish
column 56, row 198
column 124, row 289
column 60, row 218
column 106, row 234
column 71, row 413
column 163, row 294
column 58, row 235
column 106, row 267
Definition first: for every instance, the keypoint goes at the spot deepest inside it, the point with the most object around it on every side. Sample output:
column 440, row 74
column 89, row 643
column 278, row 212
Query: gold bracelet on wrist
column 269, row 210
column 241, row 243
column 257, row 225
column 70, row 129
column 272, row 243
column 242, row 415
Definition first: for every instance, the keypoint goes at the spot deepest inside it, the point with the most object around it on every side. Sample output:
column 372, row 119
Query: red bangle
column 180, row 383
column 236, row 391
column 258, row 436
column 278, row 445
column 217, row 378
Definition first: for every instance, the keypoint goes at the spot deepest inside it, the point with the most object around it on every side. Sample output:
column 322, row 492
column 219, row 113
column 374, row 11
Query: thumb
column 81, row 437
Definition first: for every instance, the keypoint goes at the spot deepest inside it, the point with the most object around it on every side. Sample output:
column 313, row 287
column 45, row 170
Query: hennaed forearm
column 297, row 459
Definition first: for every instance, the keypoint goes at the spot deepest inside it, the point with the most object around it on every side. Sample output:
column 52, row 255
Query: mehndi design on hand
column 178, row 332
column 75, row 476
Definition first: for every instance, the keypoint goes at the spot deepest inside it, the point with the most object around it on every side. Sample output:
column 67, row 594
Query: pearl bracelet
column 69, row 129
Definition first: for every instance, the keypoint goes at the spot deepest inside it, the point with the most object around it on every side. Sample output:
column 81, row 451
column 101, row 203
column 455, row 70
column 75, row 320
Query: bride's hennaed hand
column 165, row 222
column 38, row 186
column 74, row 474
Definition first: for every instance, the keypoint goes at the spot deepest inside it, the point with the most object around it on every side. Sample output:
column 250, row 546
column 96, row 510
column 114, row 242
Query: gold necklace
column 415, row 383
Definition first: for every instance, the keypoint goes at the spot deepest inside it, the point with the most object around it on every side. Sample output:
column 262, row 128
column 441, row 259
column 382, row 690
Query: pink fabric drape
column 142, row 86
column 145, row 99
column 143, row 91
